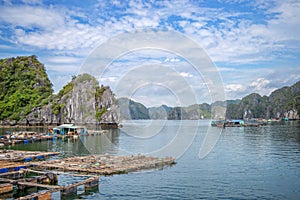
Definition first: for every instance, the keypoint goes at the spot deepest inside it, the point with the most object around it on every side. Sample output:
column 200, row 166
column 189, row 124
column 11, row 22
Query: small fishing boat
column 218, row 123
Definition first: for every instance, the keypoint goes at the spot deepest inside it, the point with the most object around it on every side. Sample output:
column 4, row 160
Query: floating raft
column 106, row 164
column 46, row 180
column 24, row 156
column 12, row 166
column 31, row 137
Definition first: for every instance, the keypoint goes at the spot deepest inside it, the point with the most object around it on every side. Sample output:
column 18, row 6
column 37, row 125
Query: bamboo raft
column 46, row 180
column 25, row 156
column 31, row 137
column 106, row 164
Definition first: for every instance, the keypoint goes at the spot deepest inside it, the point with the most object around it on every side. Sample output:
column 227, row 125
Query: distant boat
column 218, row 123
column 70, row 129
column 235, row 123
column 238, row 123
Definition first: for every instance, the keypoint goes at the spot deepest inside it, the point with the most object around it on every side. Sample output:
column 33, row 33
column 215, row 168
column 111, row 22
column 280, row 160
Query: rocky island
column 27, row 98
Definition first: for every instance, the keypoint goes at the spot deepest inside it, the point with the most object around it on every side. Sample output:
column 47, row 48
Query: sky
column 254, row 44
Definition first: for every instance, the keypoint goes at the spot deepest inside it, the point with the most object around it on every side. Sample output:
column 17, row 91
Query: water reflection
column 107, row 142
column 93, row 144
column 246, row 163
column 41, row 129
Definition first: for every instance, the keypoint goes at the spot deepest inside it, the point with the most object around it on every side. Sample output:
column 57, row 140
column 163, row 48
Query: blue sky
column 254, row 44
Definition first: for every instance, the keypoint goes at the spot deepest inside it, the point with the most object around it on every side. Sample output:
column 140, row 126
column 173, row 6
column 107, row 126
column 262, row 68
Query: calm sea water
column 246, row 163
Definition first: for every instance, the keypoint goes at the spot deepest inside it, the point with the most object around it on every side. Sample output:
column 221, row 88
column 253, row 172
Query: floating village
column 31, row 175
column 244, row 123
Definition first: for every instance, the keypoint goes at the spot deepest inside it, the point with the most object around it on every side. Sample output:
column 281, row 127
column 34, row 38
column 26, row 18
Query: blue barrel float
column 19, row 167
column 40, row 157
column 27, row 159
column 3, row 170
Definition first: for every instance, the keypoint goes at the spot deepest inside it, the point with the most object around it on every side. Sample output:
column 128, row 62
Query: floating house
column 235, row 122
column 228, row 123
column 70, row 129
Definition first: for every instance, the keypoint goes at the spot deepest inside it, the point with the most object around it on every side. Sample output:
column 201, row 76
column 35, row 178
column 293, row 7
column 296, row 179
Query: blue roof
column 237, row 120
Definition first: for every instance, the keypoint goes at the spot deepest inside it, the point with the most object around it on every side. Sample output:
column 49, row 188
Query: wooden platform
column 25, row 156
column 30, row 137
column 5, row 188
column 46, row 180
column 106, row 164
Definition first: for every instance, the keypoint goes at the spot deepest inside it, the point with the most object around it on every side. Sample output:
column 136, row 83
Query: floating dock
column 106, row 164
column 15, row 166
column 45, row 180
column 31, row 137
column 24, row 156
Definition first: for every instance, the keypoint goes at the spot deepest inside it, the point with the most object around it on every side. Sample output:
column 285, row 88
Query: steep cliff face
column 282, row 103
column 192, row 112
column 82, row 101
column 130, row 109
column 286, row 102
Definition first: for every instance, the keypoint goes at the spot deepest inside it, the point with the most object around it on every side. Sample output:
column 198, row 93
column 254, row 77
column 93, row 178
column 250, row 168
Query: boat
column 218, row 123
column 238, row 123
column 255, row 122
column 70, row 129
column 228, row 123
column 235, row 123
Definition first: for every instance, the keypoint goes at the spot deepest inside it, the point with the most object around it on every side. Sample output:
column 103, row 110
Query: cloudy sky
column 254, row 44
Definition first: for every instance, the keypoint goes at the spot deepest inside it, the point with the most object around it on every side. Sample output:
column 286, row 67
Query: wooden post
column 51, row 178
column 37, row 196
column 5, row 188
column 68, row 190
column 91, row 184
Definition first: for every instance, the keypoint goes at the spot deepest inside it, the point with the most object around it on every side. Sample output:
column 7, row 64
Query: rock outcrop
column 82, row 101
column 282, row 103
column 24, row 84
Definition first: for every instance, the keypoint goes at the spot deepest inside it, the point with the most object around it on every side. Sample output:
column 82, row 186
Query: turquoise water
column 246, row 163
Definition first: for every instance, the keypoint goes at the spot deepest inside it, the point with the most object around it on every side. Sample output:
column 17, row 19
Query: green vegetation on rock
column 284, row 102
column 26, row 96
column 24, row 85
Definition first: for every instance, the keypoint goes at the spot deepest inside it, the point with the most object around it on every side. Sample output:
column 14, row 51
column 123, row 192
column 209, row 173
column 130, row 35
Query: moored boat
column 218, row 123
column 235, row 123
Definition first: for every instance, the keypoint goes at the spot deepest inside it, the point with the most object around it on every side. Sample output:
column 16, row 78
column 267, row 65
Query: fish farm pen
column 23, row 170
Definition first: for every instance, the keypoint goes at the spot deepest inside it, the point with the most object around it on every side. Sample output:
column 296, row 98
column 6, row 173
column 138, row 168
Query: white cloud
column 63, row 59
column 54, row 29
column 234, row 88
column 31, row 17
column 233, row 40
column 186, row 75
column 68, row 35
column 108, row 80
column 64, row 68
column 172, row 60
column 260, row 83
column 32, row 2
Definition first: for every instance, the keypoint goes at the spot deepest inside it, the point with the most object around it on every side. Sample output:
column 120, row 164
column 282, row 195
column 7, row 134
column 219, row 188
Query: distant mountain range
column 282, row 103
column 26, row 98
